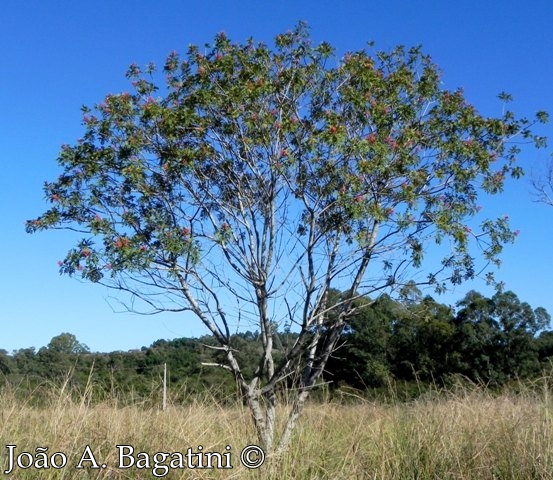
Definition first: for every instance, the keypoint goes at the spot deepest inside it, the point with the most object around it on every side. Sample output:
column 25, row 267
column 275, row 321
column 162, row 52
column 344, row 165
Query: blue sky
column 57, row 55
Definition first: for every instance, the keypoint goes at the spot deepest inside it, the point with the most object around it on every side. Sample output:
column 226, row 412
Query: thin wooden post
column 164, row 387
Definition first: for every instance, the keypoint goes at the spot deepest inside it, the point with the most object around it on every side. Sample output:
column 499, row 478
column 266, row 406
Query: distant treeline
column 411, row 342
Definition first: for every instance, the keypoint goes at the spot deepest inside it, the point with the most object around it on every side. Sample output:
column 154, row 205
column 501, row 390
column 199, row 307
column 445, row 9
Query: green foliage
column 66, row 343
column 369, row 140
column 495, row 337
column 491, row 340
column 361, row 360
column 413, row 344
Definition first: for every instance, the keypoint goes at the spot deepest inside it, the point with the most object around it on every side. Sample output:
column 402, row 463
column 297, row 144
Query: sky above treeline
column 57, row 55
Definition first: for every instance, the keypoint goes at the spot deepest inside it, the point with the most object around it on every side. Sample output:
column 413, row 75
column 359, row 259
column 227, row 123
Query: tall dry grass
column 465, row 433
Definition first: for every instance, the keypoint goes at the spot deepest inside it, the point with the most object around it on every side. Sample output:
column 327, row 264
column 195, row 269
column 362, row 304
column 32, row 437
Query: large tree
column 495, row 338
column 257, row 179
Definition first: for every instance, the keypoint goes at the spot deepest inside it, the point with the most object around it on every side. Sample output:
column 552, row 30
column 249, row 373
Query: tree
column 361, row 359
column 67, row 343
column 543, row 186
column 5, row 362
column 258, row 179
column 61, row 356
column 495, row 337
column 420, row 346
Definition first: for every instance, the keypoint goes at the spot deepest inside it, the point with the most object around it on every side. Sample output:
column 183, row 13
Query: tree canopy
column 256, row 180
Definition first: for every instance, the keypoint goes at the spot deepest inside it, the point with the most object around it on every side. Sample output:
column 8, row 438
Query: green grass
column 466, row 433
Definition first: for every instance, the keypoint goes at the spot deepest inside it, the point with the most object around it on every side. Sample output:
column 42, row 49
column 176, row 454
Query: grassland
column 465, row 433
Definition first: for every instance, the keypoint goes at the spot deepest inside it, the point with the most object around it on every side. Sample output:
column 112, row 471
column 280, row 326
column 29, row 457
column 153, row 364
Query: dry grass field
column 466, row 433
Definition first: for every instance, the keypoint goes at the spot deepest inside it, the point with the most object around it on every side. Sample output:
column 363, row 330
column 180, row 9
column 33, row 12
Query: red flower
column 371, row 138
column 332, row 129
column 185, row 231
column 390, row 141
column 122, row 242
column 85, row 252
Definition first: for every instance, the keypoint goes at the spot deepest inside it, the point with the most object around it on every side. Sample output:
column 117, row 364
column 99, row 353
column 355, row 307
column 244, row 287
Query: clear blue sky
column 58, row 54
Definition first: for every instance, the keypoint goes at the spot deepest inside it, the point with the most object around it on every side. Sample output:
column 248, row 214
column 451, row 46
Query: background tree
column 544, row 345
column 420, row 344
column 259, row 179
column 495, row 338
column 61, row 356
column 543, row 186
column 361, row 359
column 66, row 343
column 5, row 362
